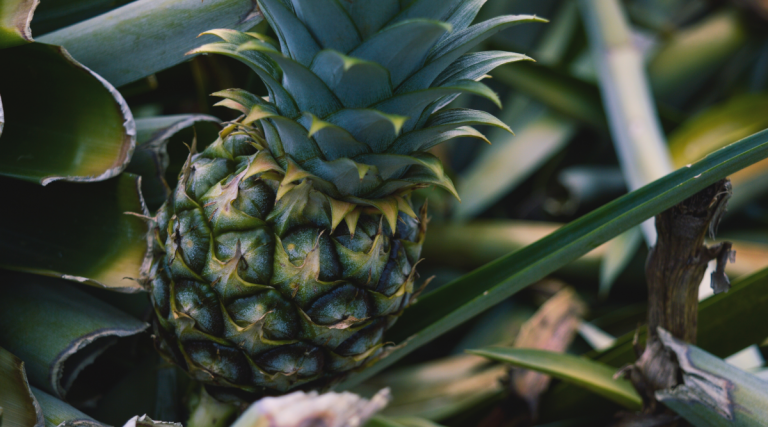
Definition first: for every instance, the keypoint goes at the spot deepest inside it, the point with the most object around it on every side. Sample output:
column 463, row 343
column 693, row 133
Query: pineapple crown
column 357, row 90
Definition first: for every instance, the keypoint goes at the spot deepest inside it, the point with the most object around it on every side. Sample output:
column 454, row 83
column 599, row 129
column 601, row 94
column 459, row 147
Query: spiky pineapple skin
column 284, row 300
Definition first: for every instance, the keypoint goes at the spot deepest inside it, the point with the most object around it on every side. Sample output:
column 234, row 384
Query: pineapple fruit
column 290, row 243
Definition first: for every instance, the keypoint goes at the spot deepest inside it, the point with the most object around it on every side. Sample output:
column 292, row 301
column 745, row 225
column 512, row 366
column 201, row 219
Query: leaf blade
column 591, row 375
column 90, row 137
column 134, row 41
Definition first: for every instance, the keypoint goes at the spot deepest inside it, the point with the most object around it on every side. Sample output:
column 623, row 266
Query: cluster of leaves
column 646, row 98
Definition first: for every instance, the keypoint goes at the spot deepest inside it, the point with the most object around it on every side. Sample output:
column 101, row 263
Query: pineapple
column 290, row 243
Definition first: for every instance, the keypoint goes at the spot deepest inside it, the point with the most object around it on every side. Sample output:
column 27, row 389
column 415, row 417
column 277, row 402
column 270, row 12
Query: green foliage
column 593, row 376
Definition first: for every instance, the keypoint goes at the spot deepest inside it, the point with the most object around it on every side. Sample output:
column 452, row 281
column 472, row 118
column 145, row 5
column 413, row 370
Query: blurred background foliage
column 706, row 64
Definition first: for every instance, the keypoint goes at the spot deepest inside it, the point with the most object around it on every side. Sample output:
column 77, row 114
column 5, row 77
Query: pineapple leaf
column 427, row 138
column 334, row 141
column 413, row 104
column 437, row 10
column 263, row 66
column 355, row 82
column 464, row 14
column 429, row 170
column 413, row 40
column 143, row 37
column 370, row 15
column 374, row 128
column 468, row 38
column 232, row 36
column 466, row 116
column 472, row 66
column 275, row 145
column 90, row 137
column 295, row 141
column 454, row 303
column 388, row 165
column 456, row 45
column 310, row 93
column 585, row 373
column 246, row 99
column 329, row 23
column 31, row 303
column 259, row 112
column 58, row 412
column 99, row 246
column 295, row 40
column 346, row 175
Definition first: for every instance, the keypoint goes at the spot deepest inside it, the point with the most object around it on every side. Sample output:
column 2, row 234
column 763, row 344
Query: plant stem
column 674, row 270
column 634, row 123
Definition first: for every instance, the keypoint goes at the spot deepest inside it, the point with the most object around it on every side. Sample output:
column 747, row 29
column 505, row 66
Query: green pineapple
column 290, row 244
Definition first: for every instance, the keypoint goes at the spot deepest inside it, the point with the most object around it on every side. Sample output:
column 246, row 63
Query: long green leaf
column 57, row 329
column 82, row 131
column 474, row 244
column 88, row 133
column 714, row 393
column 78, row 232
column 146, row 36
column 52, row 15
column 20, row 408
column 462, row 299
column 57, row 412
column 591, row 375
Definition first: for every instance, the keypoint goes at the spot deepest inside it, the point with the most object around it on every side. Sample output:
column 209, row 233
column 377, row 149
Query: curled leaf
column 18, row 404
column 84, row 328
column 90, row 136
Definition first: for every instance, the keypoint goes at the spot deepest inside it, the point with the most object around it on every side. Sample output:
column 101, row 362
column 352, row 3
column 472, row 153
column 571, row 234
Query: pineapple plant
column 290, row 244
column 278, row 263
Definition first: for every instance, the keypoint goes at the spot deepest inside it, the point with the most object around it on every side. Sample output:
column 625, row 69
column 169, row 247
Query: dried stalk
column 674, row 270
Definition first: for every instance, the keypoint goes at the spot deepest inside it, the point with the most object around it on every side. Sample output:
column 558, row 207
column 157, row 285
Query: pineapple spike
column 351, row 219
column 406, row 208
column 388, row 208
column 292, row 174
column 339, row 211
